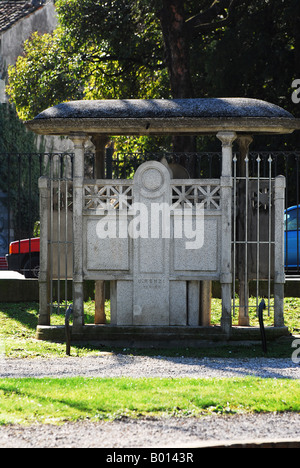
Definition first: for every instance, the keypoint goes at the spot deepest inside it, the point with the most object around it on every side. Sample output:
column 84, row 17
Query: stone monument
column 156, row 276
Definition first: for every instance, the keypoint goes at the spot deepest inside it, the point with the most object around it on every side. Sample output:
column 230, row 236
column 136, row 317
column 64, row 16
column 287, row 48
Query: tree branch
column 116, row 58
column 213, row 16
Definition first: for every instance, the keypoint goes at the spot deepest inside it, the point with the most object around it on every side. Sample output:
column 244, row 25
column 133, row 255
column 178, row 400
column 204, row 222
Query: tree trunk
column 172, row 19
column 176, row 49
column 296, row 31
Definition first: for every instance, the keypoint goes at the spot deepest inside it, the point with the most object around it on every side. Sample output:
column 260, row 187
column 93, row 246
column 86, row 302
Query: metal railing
column 19, row 197
column 262, row 164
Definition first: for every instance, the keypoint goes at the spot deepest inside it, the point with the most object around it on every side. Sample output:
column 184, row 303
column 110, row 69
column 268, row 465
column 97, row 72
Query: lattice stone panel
column 108, row 197
column 120, row 196
column 191, row 194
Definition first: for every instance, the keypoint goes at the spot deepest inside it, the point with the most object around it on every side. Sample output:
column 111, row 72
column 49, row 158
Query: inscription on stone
column 152, row 283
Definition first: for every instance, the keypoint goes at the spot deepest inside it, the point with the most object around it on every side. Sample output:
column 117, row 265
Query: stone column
column 99, row 142
column 78, row 176
column 151, row 250
column 205, row 303
column 279, row 276
column 44, row 299
column 227, row 139
column 244, row 142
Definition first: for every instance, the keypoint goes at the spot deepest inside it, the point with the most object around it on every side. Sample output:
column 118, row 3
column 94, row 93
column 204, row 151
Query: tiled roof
column 12, row 11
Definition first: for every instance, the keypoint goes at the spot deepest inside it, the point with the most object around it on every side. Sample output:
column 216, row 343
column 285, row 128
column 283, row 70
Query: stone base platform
column 157, row 337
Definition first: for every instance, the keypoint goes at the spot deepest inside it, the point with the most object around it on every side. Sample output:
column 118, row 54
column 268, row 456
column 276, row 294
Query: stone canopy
column 201, row 116
column 156, row 280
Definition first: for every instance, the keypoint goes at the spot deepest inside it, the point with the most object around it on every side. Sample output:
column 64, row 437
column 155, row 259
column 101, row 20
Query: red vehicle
column 24, row 257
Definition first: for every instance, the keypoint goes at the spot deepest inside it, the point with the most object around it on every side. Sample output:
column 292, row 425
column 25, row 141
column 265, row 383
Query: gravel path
column 165, row 432
column 118, row 365
column 169, row 432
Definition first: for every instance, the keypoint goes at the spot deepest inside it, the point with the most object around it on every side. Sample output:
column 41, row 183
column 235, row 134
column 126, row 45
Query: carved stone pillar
column 279, row 275
column 227, row 139
column 78, row 176
column 44, row 279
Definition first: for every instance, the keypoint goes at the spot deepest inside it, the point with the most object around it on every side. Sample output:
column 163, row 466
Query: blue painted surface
column 292, row 236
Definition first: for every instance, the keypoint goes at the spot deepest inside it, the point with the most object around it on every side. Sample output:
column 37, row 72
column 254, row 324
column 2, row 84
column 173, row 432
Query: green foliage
column 45, row 76
column 101, row 50
column 14, row 137
column 113, row 30
column 115, row 49
column 19, row 174
column 254, row 55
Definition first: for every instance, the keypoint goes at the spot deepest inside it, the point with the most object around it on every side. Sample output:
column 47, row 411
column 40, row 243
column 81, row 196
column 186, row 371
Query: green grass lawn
column 49, row 400
column 18, row 326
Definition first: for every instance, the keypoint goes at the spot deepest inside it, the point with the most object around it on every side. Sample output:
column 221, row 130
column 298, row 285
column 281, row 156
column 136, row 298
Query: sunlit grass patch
column 52, row 400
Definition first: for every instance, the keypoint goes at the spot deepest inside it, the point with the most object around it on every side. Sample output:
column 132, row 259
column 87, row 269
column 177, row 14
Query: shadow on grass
column 26, row 313
column 41, row 404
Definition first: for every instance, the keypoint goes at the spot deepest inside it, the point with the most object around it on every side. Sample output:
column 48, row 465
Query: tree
column 109, row 49
column 179, row 30
column 45, row 75
column 161, row 48
column 20, row 170
column 256, row 55
column 101, row 50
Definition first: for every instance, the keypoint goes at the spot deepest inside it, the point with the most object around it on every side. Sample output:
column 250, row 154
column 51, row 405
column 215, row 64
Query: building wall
column 43, row 20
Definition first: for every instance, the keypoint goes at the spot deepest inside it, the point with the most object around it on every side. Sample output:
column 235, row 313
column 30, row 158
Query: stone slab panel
column 201, row 259
column 178, row 303
column 121, row 302
column 105, row 254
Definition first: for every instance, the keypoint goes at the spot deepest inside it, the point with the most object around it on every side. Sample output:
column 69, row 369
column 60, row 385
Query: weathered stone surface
column 151, row 289
column 109, row 254
column 155, row 279
column 164, row 116
column 169, row 236
column 165, row 108
column 165, row 336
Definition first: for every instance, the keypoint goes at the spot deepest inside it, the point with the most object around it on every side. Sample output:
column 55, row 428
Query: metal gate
column 256, row 181
column 56, row 232
column 258, row 221
column 255, row 177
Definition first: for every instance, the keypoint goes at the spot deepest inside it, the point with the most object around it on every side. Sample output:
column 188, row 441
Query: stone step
column 154, row 337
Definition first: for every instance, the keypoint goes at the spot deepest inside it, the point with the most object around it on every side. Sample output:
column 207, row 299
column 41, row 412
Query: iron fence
column 19, row 193
column 19, row 207
column 263, row 165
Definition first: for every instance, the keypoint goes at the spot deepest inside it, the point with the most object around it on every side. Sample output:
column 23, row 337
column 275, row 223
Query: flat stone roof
column 164, row 116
